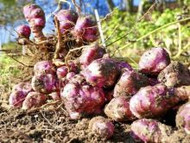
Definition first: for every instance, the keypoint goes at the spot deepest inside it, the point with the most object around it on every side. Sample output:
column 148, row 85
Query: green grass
column 8, row 71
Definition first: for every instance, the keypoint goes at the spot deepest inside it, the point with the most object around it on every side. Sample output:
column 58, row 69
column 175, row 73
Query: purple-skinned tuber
column 67, row 20
column 19, row 93
column 183, row 117
column 81, row 99
column 153, row 61
column 86, row 29
column 118, row 109
column 150, row 131
column 129, row 83
column 155, row 101
column 44, row 67
column 44, row 83
column 90, row 53
column 102, row 72
column 36, row 19
column 24, row 31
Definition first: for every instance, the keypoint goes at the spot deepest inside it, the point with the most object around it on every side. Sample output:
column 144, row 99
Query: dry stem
column 58, row 45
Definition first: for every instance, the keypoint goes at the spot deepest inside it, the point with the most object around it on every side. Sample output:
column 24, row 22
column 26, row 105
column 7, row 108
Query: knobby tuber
column 44, row 83
column 86, row 29
column 33, row 99
column 118, row 109
column 19, row 93
column 150, row 131
column 36, row 19
column 67, row 20
column 175, row 74
column 102, row 72
column 129, row 83
column 90, row 53
column 183, row 117
column 101, row 127
column 153, row 61
column 155, row 101
column 82, row 99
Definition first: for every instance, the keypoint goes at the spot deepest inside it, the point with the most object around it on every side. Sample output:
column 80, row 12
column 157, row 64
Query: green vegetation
column 8, row 71
column 155, row 29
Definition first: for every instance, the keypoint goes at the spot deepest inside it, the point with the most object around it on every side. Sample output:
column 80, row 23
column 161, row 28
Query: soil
column 52, row 125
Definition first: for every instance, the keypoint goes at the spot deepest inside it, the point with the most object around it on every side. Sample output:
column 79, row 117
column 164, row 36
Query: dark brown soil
column 51, row 125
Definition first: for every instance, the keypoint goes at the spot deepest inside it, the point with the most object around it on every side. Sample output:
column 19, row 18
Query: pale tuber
column 175, row 74
column 118, row 109
column 33, row 99
column 129, row 83
column 101, row 127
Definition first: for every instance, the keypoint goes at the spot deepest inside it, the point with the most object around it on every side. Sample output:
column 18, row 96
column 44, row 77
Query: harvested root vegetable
column 153, row 80
column 175, row 74
column 67, row 20
column 70, row 75
column 73, row 66
column 102, row 72
column 44, row 83
column 16, row 98
column 101, row 127
column 82, row 99
column 62, row 72
column 183, row 117
column 182, row 92
column 55, row 95
column 36, row 18
column 118, row 109
column 154, row 101
column 19, row 93
column 33, row 99
column 150, row 131
column 153, row 61
column 90, row 53
column 151, row 101
column 122, row 65
column 24, row 31
column 25, row 87
column 86, row 29
column 79, row 79
column 129, row 83
column 23, row 39
column 44, row 67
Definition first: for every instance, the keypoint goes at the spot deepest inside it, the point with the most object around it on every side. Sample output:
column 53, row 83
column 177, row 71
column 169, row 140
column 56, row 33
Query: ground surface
column 51, row 125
